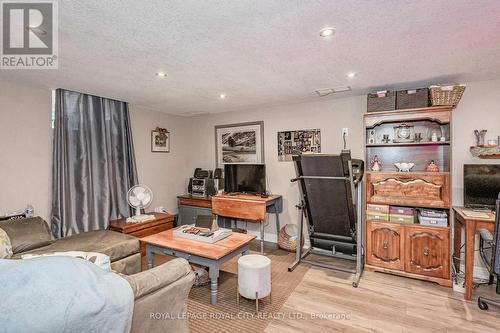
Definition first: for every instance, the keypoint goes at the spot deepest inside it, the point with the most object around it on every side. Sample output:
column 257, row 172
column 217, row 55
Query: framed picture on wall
column 160, row 140
column 239, row 143
column 298, row 142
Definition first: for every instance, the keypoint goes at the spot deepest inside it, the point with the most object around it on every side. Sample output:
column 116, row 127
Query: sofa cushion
column 99, row 259
column 5, row 246
column 27, row 234
column 111, row 243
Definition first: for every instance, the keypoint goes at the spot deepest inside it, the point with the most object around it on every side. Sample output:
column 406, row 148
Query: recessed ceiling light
column 351, row 75
column 222, row 96
column 327, row 32
column 161, row 74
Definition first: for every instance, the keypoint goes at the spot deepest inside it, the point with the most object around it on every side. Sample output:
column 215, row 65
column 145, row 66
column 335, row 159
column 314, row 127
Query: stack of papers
column 473, row 213
column 140, row 218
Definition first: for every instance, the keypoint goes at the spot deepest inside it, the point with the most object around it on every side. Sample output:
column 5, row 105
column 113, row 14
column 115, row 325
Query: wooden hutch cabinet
column 402, row 248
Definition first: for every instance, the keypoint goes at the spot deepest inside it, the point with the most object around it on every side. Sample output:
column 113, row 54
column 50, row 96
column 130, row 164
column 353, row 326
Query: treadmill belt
column 329, row 203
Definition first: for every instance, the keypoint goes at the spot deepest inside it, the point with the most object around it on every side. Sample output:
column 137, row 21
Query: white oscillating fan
column 139, row 197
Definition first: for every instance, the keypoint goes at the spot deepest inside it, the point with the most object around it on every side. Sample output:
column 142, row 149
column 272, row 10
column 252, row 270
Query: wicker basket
column 381, row 101
column 287, row 238
column 446, row 95
column 200, row 276
column 410, row 99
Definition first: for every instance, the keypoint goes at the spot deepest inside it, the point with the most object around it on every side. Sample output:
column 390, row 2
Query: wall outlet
column 345, row 131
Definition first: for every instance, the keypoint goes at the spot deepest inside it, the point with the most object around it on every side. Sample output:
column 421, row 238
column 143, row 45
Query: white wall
column 330, row 116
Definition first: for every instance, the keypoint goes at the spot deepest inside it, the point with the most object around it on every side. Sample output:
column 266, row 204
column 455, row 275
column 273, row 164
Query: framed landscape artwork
column 160, row 140
column 239, row 143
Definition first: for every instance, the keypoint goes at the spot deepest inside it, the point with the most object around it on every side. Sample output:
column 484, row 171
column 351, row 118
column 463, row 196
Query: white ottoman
column 254, row 278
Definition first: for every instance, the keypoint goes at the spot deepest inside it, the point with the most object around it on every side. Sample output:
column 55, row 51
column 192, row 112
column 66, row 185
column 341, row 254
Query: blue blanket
column 62, row 294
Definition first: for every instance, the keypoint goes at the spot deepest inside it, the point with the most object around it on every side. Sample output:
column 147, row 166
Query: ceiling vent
column 194, row 113
column 329, row 91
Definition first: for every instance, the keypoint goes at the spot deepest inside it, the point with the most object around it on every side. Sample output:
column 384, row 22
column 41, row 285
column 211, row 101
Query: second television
column 245, row 178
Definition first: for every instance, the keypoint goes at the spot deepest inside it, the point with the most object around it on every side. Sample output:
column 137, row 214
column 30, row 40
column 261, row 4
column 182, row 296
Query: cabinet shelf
column 412, row 173
column 410, row 224
column 409, row 144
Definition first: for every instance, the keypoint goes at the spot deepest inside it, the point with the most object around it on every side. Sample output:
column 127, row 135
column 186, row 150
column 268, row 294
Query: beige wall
column 26, row 151
column 25, row 148
column 330, row 116
column 478, row 109
column 165, row 173
column 26, row 143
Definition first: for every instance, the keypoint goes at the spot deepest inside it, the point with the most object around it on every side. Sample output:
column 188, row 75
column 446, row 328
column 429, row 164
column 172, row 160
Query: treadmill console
column 358, row 166
column 358, row 169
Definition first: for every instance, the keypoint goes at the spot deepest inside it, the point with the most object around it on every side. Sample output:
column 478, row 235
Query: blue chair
column 490, row 252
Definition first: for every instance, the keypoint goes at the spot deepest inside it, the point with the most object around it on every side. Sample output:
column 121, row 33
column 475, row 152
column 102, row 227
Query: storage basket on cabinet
column 446, row 95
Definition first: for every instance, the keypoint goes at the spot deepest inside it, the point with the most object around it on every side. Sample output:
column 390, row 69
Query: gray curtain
column 93, row 162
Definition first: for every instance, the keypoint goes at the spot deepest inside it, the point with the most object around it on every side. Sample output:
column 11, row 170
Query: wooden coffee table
column 204, row 254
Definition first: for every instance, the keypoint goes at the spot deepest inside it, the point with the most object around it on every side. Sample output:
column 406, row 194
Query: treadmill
column 330, row 187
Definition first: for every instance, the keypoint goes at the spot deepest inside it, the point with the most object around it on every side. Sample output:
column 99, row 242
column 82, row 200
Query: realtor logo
column 29, row 34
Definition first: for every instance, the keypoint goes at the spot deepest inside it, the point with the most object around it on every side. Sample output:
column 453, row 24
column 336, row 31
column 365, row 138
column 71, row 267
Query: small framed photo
column 160, row 141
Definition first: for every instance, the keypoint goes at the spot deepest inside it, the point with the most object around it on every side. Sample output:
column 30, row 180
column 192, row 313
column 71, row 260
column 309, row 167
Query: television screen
column 245, row 178
column 481, row 185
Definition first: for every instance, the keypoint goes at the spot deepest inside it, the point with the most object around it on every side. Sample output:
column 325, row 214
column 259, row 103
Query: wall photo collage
column 298, row 142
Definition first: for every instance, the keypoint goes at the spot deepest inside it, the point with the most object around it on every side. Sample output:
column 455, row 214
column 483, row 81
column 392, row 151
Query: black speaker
column 210, row 187
column 199, row 173
column 218, row 173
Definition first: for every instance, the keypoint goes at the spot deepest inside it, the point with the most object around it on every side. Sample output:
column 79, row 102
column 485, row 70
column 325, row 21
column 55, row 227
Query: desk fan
column 139, row 197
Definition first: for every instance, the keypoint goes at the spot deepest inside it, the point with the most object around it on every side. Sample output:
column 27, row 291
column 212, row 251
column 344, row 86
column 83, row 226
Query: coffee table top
column 213, row 251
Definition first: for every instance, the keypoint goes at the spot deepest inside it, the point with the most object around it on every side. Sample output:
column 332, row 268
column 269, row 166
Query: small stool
column 254, row 278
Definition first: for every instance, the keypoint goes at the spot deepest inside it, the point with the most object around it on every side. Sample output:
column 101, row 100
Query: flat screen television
column 245, row 178
column 481, row 185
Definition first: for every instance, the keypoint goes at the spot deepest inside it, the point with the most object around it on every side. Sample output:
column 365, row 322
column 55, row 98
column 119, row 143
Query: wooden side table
column 471, row 226
column 248, row 207
column 161, row 223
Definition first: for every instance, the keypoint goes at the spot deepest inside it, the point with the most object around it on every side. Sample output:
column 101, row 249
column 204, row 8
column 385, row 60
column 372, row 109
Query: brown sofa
column 158, row 292
column 32, row 235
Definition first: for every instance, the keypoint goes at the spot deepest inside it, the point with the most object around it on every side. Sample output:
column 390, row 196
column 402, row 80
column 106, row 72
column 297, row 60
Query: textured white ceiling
column 263, row 52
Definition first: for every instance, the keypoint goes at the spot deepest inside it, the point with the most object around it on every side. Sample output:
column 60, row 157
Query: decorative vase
column 480, row 136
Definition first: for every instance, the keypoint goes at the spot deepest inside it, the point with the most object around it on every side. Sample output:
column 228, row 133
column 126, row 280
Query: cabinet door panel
column 385, row 245
column 187, row 215
column 427, row 251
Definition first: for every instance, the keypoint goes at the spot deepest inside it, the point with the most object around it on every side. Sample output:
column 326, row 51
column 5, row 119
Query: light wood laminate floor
column 381, row 303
